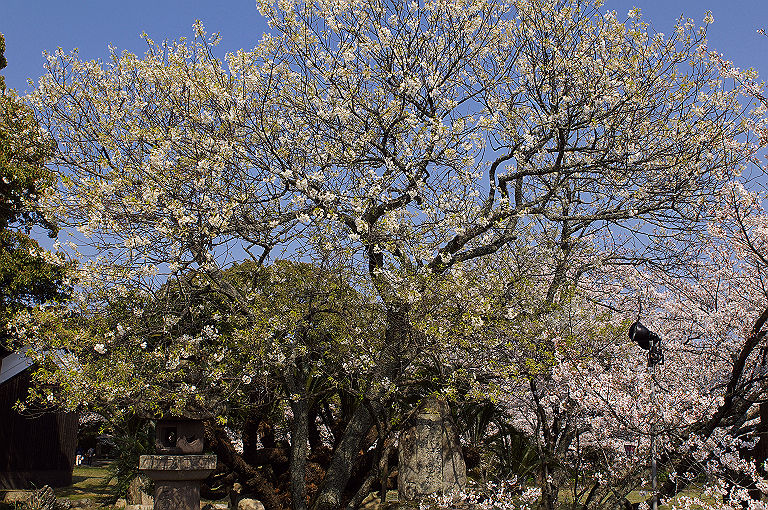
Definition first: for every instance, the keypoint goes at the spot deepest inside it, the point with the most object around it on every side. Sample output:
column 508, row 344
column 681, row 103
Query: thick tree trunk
column 299, row 453
column 251, row 437
column 397, row 336
column 546, row 439
column 267, row 434
column 761, row 448
column 549, row 490
column 330, row 494
column 760, row 454
column 315, row 440
column 252, row 478
column 299, row 440
column 379, row 470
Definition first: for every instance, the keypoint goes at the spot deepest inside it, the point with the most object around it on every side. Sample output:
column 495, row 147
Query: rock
column 371, row 502
column 63, row 504
column 85, row 503
column 16, row 496
column 42, row 499
column 216, row 506
column 138, row 492
column 120, row 503
column 250, row 504
column 430, row 456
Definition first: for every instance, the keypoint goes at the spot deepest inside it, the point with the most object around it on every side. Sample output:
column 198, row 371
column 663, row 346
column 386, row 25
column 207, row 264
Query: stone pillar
column 430, row 457
column 177, row 479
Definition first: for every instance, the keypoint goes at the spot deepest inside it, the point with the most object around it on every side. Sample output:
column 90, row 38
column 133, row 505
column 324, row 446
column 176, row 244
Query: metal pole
column 654, row 501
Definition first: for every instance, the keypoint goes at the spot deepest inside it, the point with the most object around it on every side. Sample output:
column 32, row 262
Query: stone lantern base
column 177, row 478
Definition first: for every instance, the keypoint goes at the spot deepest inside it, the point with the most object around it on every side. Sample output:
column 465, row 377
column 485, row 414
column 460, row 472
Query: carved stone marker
column 177, row 474
column 430, row 458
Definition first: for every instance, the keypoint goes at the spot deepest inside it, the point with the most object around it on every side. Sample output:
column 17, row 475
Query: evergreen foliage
column 28, row 275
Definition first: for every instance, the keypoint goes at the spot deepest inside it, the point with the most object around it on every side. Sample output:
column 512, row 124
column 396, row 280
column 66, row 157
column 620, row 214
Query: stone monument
column 179, row 465
column 430, row 457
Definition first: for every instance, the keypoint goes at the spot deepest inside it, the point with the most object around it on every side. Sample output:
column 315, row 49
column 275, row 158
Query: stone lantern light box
column 179, row 436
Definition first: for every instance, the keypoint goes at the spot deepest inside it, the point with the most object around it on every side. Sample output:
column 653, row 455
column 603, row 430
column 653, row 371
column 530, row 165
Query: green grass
column 88, row 482
column 566, row 496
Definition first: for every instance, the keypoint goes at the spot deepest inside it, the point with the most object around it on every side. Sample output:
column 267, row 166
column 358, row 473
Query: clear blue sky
column 30, row 26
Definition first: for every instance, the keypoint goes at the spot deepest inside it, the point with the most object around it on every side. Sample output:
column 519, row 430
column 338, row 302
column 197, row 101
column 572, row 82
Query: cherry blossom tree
column 568, row 376
column 720, row 311
column 406, row 141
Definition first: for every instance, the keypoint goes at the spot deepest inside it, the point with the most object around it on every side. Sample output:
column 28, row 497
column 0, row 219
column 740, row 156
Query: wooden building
column 34, row 451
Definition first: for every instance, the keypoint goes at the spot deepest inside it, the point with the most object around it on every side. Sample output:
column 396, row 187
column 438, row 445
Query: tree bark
column 299, row 453
column 329, row 496
column 252, row 479
column 546, row 446
column 299, row 443
column 338, row 473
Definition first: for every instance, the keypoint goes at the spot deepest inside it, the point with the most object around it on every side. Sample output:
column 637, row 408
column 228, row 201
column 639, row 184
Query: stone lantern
column 179, row 465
